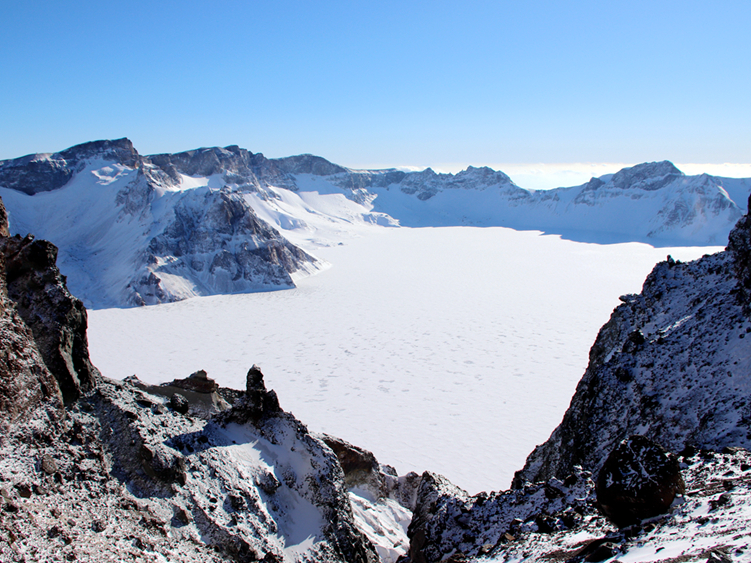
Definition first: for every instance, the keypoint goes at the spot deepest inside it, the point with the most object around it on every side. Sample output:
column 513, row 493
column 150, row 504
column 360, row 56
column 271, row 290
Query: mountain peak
column 122, row 150
column 647, row 176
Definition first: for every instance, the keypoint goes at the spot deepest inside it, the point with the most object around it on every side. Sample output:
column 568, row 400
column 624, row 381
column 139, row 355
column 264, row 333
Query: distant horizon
column 527, row 175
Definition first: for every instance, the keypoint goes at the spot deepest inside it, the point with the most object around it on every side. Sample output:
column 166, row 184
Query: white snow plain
column 453, row 349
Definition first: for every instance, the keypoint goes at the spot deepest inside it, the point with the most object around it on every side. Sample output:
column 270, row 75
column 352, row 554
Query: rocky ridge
column 127, row 470
column 139, row 230
column 670, row 369
column 119, row 473
column 141, row 235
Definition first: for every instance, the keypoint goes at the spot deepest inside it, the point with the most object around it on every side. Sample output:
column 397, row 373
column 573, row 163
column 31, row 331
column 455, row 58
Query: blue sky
column 372, row 84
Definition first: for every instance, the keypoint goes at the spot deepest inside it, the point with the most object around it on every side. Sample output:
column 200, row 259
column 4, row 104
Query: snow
column 385, row 524
column 451, row 349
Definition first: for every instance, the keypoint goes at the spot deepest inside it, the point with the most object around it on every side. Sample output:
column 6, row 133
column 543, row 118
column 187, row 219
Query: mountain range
column 95, row 469
column 138, row 230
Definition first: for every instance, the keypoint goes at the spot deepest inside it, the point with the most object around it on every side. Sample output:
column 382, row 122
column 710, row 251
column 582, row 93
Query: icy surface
column 450, row 349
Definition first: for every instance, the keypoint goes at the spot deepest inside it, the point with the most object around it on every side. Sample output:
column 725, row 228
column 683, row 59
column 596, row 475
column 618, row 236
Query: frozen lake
column 452, row 349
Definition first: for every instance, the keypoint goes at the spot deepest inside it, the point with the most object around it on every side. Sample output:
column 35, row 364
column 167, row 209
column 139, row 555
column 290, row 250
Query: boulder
column 639, row 480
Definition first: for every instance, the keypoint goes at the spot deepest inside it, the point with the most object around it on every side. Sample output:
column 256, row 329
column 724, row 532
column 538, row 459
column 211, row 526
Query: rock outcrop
column 57, row 319
column 123, row 472
column 638, row 480
column 672, row 364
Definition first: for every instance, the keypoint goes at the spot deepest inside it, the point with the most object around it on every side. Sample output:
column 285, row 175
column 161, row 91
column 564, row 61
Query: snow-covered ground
column 453, row 349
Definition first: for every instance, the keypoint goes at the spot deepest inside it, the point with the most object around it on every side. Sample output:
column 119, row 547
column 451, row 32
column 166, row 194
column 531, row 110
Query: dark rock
column 57, row 320
column 639, row 480
column 179, row 403
column 181, row 516
column 256, row 404
column 198, row 382
column 739, row 246
column 723, row 500
column 25, row 380
column 24, row 490
column 602, row 552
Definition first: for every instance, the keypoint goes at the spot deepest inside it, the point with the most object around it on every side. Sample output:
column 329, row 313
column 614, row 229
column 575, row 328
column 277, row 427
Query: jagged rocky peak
column 37, row 173
column 57, row 320
column 236, row 165
column 256, row 404
column 308, row 164
column 673, row 364
column 118, row 150
column 205, row 161
column 483, row 174
column 646, row 176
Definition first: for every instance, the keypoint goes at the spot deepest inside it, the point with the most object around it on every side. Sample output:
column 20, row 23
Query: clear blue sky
column 383, row 83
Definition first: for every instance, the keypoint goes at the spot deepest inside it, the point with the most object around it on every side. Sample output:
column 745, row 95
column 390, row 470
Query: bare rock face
column 25, row 380
column 739, row 245
column 448, row 522
column 673, row 364
column 57, row 319
column 363, row 471
column 639, row 480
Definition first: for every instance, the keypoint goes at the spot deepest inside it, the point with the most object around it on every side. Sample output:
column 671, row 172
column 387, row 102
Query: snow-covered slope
column 136, row 230
column 652, row 202
column 132, row 233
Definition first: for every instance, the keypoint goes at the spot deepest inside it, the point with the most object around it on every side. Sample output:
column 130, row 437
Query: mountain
column 136, row 230
column 116, row 470
column 672, row 367
column 133, row 233
column 187, row 471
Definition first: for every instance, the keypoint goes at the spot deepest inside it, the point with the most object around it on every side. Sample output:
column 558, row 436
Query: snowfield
column 453, row 349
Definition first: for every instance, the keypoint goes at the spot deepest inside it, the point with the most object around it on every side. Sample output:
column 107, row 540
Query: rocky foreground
column 93, row 469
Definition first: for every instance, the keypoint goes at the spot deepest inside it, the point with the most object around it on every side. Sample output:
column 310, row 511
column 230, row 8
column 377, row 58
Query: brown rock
column 639, row 480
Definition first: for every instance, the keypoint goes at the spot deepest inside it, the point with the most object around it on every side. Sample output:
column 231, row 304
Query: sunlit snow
column 452, row 349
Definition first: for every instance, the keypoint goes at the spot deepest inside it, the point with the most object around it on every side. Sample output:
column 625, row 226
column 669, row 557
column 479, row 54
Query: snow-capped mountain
column 127, row 470
column 132, row 233
column 136, row 230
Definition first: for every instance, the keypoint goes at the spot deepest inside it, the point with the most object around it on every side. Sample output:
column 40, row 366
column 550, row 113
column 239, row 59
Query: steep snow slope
column 131, row 234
